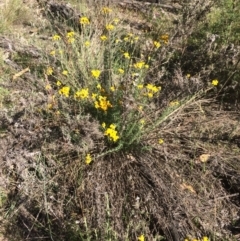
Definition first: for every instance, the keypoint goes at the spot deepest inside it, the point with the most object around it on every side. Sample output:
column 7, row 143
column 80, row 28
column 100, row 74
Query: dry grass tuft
column 173, row 176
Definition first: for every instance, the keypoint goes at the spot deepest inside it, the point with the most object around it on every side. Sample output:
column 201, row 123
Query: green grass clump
column 108, row 85
column 13, row 13
column 223, row 21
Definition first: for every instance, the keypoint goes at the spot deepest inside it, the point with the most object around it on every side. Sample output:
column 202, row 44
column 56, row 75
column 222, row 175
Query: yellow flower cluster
column 203, row 239
column 173, row 103
column 126, row 55
column 152, row 89
column 87, row 43
column 81, row 94
column 64, row 91
column 131, row 38
column 49, row 70
column 112, row 88
column 141, row 238
column 160, row 141
column 116, row 20
column 95, row 73
column 65, row 72
column 121, row 71
column 106, row 10
column 102, row 103
column 111, row 132
column 165, row 38
column 56, row 37
column 88, row 159
column 110, row 27
column 70, row 37
column 139, row 65
column 156, row 44
column 215, row 82
column 103, row 38
column 53, row 52
column 84, row 21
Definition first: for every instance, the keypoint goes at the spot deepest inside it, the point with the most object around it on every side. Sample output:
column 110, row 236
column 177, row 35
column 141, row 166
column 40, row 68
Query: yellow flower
column 110, row 27
column 126, row 39
column 81, row 94
column 88, row 159
column 142, row 121
column 126, row 55
column 56, row 37
column 140, row 108
column 141, row 238
column 112, row 133
column 160, row 141
column 205, row 238
column 174, row 103
column 188, row 75
column 165, row 38
column 153, row 88
column 64, row 91
column 139, row 65
column 58, row 83
column 70, row 34
column 215, row 82
column 112, row 88
column 48, row 87
column 99, row 86
column 84, row 21
column 106, row 10
column 103, row 37
column 186, row 239
column 140, row 86
column 136, row 38
column 96, row 104
column 156, row 44
column 49, row 71
column 103, row 125
column 65, row 72
column 150, row 94
column 94, row 96
column 95, row 73
column 112, row 126
column 116, row 20
column 146, row 66
column 117, row 41
column 102, row 103
column 50, row 106
column 87, row 43
column 53, row 52
column 121, row 71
